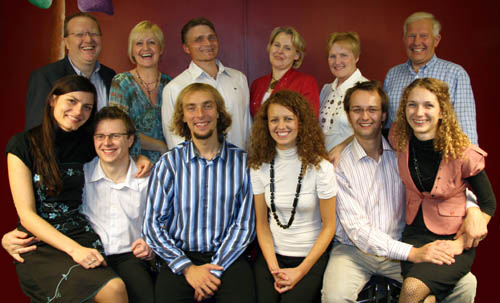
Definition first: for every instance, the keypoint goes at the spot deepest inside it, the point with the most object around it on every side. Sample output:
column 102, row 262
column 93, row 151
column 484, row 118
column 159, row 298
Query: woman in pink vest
column 436, row 162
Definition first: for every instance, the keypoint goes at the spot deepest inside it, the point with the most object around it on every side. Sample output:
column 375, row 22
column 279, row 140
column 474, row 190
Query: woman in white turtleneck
column 343, row 54
column 295, row 184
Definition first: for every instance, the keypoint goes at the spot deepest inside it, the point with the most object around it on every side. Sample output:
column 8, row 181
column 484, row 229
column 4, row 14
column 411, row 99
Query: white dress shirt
column 371, row 202
column 95, row 78
column 115, row 210
column 233, row 87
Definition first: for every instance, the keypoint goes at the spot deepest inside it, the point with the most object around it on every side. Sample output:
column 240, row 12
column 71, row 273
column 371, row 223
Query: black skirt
column 441, row 279
column 50, row 275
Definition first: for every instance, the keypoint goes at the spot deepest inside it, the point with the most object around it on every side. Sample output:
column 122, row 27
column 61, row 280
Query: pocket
column 450, row 209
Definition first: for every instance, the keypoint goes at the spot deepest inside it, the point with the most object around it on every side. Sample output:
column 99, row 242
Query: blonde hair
column 349, row 39
column 179, row 127
column 450, row 140
column 297, row 42
column 139, row 30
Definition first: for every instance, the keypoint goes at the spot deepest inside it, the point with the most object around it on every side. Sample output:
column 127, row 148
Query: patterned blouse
column 126, row 93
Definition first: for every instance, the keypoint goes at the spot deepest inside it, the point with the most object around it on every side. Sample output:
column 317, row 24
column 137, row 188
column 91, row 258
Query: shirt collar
column 191, row 154
column 347, row 83
column 97, row 175
column 359, row 153
column 428, row 64
column 97, row 67
column 197, row 72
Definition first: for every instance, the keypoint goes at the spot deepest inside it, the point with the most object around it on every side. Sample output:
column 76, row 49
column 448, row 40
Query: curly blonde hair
column 310, row 139
column 179, row 127
column 450, row 140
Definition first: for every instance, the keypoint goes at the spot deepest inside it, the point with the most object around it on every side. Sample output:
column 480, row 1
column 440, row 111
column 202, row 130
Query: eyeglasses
column 114, row 136
column 360, row 110
column 84, row 34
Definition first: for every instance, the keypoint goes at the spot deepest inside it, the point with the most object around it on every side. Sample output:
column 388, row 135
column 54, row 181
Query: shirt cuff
column 179, row 264
column 470, row 204
column 400, row 251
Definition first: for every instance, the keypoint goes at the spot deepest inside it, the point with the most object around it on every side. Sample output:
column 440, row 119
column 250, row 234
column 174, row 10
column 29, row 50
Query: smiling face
column 283, row 126
column 423, row 113
column 365, row 114
column 341, row 61
column 200, row 114
column 83, row 51
column 146, row 50
column 420, row 42
column 282, row 53
column 201, row 44
column 109, row 149
column 72, row 110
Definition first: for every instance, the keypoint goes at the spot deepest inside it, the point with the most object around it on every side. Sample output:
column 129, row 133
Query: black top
column 72, row 149
column 424, row 161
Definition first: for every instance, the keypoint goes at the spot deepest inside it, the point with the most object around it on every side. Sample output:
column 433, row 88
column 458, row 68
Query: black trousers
column 237, row 283
column 307, row 290
column 136, row 274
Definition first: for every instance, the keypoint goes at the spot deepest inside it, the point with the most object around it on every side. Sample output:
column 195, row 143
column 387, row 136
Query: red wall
column 470, row 38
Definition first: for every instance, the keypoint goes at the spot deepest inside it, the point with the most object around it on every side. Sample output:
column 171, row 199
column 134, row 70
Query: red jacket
column 444, row 207
column 292, row 80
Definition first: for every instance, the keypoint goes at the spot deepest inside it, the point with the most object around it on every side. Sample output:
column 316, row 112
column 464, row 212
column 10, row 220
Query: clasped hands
column 204, row 283
column 285, row 279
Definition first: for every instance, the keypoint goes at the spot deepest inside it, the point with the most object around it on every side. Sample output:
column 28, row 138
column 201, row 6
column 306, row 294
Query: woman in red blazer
column 436, row 162
column 286, row 52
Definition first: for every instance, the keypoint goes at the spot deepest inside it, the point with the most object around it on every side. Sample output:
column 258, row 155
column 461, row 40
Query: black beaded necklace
column 295, row 200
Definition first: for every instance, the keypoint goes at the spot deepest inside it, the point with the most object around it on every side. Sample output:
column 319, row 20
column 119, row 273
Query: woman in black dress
column 45, row 166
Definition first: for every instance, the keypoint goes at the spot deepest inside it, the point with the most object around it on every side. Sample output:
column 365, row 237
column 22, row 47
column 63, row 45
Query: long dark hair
column 41, row 138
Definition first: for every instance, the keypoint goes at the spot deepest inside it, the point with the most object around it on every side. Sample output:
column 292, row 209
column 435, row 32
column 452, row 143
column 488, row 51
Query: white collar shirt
column 95, row 78
column 231, row 84
column 114, row 210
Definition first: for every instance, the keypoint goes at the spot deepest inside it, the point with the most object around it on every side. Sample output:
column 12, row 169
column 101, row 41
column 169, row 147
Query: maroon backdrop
column 470, row 38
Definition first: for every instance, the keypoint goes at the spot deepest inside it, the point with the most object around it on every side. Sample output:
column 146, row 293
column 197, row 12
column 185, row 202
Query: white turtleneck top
column 299, row 238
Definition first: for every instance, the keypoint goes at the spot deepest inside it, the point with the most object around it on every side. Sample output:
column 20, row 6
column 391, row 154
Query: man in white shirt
column 114, row 202
column 200, row 41
column 370, row 208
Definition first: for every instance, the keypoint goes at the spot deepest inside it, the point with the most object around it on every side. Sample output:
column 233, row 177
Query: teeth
column 147, row 55
column 88, row 48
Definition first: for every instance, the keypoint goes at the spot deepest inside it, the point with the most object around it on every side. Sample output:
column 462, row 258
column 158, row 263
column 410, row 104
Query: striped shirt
column 200, row 205
column 462, row 98
column 371, row 202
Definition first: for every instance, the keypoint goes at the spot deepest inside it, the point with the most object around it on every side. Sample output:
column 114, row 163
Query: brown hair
column 369, row 86
column 310, row 138
column 450, row 140
column 81, row 14
column 195, row 22
column 115, row 113
column 179, row 127
column 42, row 138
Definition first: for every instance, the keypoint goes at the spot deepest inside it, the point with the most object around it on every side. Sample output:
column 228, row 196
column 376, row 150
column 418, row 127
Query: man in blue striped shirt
column 421, row 37
column 200, row 218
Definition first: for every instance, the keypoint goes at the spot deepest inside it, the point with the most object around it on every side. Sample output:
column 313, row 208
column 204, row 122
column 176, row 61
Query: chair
column 380, row 289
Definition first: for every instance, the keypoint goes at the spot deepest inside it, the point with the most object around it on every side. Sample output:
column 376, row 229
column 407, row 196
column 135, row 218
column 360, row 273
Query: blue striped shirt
column 200, row 205
column 462, row 98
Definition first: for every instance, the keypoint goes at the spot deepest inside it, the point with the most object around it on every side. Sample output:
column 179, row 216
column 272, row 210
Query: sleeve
column 118, row 97
column 38, row 89
column 258, row 186
column 310, row 91
column 254, row 97
column 326, row 182
column 247, row 124
column 323, row 94
column 241, row 231
column 19, row 145
column 464, row 105
column 169, row 97
column 159, row 211
column 481, row 185
column 358, row 227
